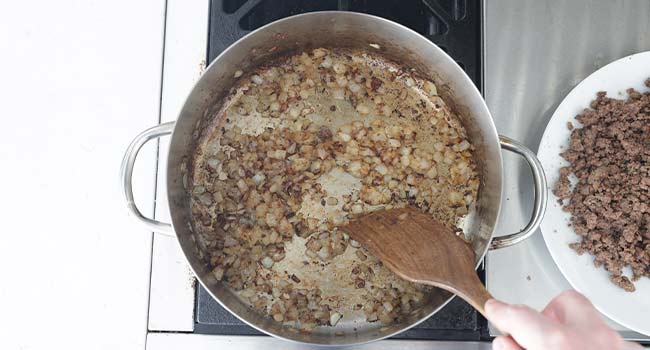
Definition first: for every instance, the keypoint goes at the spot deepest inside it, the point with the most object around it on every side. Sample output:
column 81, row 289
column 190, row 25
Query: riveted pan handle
column 126, row 175
column 539, row 179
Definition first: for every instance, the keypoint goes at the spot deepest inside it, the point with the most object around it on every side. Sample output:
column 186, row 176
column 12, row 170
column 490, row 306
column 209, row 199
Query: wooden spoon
column 422, row 250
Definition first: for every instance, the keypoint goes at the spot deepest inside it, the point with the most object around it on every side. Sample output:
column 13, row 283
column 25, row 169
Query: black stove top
column 454, row 25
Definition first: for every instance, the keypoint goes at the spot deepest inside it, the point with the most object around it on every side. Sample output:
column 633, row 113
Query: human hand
column 569, row 322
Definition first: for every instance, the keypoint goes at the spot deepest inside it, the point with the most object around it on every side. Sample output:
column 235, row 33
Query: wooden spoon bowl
column 422, row 250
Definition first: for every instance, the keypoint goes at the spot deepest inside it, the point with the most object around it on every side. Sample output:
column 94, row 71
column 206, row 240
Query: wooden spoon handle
column 475, row 294
column 472, row 290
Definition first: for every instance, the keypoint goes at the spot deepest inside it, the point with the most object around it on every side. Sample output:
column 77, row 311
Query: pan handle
column 126, row 175
column 539, row 208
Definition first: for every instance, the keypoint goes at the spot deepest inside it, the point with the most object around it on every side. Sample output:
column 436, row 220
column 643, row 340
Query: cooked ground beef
column 610, row 159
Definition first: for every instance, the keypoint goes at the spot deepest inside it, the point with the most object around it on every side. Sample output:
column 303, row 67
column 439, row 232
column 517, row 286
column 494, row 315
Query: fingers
column 505, row 343
column 527, row 326
column 628, row 345
column 575, row 313
column 568, row 322
column 571, row 307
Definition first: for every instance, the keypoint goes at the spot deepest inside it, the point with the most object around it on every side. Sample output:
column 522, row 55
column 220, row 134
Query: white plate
column 631, row 310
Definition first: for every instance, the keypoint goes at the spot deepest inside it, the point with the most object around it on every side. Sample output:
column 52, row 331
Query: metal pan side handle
column 126, row 176
column 539, row 180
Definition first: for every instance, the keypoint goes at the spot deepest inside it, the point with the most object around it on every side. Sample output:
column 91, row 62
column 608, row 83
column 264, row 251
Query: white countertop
column 78, row 79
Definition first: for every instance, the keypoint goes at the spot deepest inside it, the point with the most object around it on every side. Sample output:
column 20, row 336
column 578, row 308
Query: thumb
column 524, row 324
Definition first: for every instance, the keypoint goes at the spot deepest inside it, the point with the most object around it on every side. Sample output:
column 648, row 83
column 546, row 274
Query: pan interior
column 304, row 145
column 390, row 40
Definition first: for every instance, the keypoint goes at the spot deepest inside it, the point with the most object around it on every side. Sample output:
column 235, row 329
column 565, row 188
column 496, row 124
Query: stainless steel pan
column 335, row 29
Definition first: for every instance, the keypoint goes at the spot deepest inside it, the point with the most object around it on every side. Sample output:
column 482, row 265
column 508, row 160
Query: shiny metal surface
column 126, row 173
column 540, row 201
column 535, row 53
column 331, row 29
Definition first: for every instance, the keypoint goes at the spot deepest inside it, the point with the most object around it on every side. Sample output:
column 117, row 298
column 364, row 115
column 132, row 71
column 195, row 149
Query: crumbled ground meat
column 610, row 158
